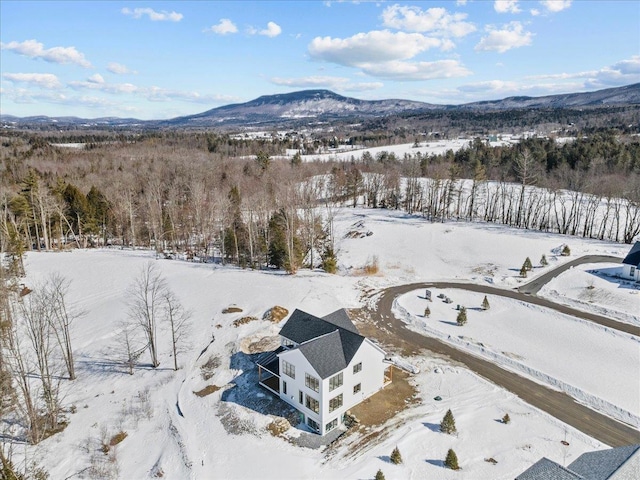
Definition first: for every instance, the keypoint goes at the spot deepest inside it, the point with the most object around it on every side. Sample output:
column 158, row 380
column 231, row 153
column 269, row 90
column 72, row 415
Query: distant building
column 621, row 463
column 631, row 264
column 323, row 368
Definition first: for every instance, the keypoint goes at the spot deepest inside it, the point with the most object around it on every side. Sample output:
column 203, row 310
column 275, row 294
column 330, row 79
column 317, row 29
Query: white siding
column 294, row 386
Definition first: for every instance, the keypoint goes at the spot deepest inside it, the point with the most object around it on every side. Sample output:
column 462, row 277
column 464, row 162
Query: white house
column 323, row 368
column 631, row 264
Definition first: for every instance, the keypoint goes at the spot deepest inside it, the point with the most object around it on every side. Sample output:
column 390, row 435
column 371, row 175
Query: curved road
column 557, row 404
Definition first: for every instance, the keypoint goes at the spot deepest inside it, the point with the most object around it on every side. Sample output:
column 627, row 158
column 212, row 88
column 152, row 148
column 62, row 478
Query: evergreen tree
column 566, row 251
column 329, row 260
column 452, row 460
column 396, row 458
column 296, row 160
column 427, row 312
column 506, row 419
column 448, row 423
column 379, row 475
column 523, row 271
column 485, row 303
column 543, row 260
column 527, row 264
column 462, row 317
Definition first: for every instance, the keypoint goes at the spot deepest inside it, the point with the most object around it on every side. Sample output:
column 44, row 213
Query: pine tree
column 396, row 458
column 462, row 316
column 506, row 419
column 448, row 423
column 543, row 260
column 566, row 251
column 523, row 271
column 452, row 460
column 379, row 475
column 427, row 312
column 527, row 264
column 485, row 303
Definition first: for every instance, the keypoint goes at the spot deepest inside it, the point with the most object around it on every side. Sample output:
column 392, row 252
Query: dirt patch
column 380, row 333
column 209, row 369
column 275, row 314
column 388, row 402
column 243, row 320
column 208, row 390
column 232, row 310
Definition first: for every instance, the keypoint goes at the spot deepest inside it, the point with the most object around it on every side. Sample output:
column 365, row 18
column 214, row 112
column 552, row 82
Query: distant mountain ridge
column 325, row 105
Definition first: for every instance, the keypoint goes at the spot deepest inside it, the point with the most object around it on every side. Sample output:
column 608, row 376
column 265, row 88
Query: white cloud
column 35, row 49
column 118, row 69
column 96, row 82
column 534, row 12
column 556, row 5
column 272, row 30
column 223, row 27
column 509, row 36
column 42, row 80
column 154, row 16
column 506, row 6
column 435, row 20
column 332, row 83
column 371, row 47
column 624, row 72
column 460, row 3
column 409, row 71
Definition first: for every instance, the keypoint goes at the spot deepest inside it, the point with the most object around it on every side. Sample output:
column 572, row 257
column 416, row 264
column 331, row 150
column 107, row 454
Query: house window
column 335, row 382
column 300, row 397
column 288, row 369
column 357, row 388
column 312, row 404
column 313, row 424
column 632, row 270
column 312, row 382
column 331, row 425
column 284, row 387
column 335, row 402
column 357, row 367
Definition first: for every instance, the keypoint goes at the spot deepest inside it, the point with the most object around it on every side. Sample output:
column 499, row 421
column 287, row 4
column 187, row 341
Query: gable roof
column 545, row 469
column 604, row 463
column 633, row 257
column 329, row 344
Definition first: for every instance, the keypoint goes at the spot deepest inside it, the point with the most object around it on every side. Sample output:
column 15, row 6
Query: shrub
column 452, row 460
column 485, row 303
column 379, row 475
column 527, row 264
column 506, row 419
column 461, row 319
column 523, row 272
column 566, row 251
column 396, row 458
column 448, row 423
column 427, row 312
column 543, row 260
column 372, row 267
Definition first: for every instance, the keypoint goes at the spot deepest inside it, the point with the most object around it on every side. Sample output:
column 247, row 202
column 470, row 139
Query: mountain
column 308, row 106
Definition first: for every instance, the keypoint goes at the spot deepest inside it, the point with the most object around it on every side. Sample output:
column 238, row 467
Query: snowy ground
column 222, row 435
column 578, row 357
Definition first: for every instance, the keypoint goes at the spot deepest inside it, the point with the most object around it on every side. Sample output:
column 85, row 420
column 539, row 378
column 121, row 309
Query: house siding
column 295, row 385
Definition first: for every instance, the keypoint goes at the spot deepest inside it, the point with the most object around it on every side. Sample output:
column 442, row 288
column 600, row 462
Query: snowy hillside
column 209, row 419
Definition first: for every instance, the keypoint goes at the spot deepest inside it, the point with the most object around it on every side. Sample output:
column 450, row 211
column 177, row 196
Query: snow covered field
column 585, row 360
column 172, row 431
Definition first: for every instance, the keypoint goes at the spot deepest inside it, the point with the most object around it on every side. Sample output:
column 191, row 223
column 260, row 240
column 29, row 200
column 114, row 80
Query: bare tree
column 146, row 294
column 128, row 345
column 61, row 318
column 179, row 321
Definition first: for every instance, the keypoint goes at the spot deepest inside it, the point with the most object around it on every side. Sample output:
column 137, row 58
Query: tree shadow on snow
column 434, row 427
column 436, row 463
column 385, row 458
column 455, row 324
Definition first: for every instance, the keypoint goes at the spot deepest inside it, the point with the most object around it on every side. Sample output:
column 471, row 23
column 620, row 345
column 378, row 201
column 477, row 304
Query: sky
column 157, row 60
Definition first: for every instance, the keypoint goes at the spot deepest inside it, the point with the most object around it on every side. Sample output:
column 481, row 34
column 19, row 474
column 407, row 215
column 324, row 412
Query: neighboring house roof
column 604, row 463
column 633, row 258
column 329, row 344
column 545, row 469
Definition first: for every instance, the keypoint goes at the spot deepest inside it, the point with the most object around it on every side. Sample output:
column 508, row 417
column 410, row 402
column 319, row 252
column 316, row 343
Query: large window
column 335, row 382
column 357, row 388
column 357, row 367
column 288, row 369
column 331, row 425
column 335, row 402
column 313, row 424
column 312, row 382
column 312, row 404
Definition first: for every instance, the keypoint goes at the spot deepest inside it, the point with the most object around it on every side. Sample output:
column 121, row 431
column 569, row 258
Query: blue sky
column 153, row 60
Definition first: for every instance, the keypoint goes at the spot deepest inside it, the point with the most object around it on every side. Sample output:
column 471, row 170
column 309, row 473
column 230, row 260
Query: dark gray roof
column 326, row 343
column 341, row 318
column 633, row 258
column 604, row 463
column 545, row 469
